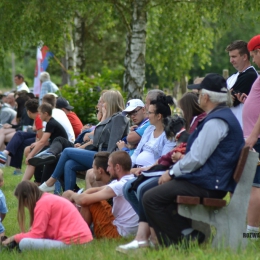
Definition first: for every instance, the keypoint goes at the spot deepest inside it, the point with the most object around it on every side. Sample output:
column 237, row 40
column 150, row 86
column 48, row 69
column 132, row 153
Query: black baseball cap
column 212, row 82
column 63, row 103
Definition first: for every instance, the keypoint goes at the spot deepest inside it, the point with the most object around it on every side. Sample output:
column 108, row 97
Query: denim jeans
column 135, row 198
column 73, row 160
column 16, row 147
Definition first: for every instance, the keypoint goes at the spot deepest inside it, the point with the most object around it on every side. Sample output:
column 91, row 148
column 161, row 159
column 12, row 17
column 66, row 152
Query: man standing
column 206, row 169
column 242, row 81
column 47, row 85
column 19, row 82
column 251, row 123
column 121, row 219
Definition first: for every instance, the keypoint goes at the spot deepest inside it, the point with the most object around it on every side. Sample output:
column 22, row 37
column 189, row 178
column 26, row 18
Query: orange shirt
column 75, row 122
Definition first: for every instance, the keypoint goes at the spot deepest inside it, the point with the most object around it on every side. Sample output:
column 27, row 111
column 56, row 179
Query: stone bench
column 229, row 220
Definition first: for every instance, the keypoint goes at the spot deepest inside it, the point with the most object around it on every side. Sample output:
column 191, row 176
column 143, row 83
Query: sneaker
column 80, row 191
column 132, row 246
column 17, row 172
column 3, row 157
column 45, row 158
column 46, row 188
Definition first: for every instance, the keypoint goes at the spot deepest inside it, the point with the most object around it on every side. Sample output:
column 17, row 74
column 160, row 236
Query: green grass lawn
column 105, row 249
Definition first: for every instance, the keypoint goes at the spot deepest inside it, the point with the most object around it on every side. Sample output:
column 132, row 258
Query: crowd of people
column 137, row 159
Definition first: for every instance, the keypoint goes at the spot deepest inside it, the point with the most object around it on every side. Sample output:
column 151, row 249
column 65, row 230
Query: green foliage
column 246, row 27
column 85, row 94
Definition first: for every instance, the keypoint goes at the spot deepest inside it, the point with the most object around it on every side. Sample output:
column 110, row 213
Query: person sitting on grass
column 22, row 139
column 118, row 221
column 53, row 129
column 3, row 208
column 54, row 221
column 98, row 175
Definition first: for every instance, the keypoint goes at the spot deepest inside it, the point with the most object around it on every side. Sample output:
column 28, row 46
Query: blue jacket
column 217, row 172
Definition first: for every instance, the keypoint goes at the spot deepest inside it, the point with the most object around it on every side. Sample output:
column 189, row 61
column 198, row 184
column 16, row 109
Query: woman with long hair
column 192, row 112
column 54, row 221
column 106, row 134
column 154, row 143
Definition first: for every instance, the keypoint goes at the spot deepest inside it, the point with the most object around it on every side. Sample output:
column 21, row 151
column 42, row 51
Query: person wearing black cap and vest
column 206, row 170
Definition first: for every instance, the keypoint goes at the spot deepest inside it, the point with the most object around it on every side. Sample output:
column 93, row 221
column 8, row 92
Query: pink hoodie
column 56, row 218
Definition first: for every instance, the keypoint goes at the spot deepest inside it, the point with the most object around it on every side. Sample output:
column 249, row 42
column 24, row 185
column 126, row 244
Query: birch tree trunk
column 70, row 56
column 79, row 42
column 134, row 77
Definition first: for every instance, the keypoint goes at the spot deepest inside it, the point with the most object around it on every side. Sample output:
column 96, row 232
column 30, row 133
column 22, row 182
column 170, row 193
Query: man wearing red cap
column 251, row 129
column 243, row 79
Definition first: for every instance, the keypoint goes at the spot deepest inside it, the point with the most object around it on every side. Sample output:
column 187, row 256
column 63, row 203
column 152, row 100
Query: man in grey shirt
column 205, row 171
column 7, row 114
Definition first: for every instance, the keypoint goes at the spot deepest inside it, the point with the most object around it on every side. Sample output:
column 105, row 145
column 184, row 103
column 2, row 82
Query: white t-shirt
column 126, row 219
column 61, row 117
column 23, row 86
column 147, row 156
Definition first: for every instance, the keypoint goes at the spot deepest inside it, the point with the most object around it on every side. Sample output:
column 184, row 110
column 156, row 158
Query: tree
column 174, row 31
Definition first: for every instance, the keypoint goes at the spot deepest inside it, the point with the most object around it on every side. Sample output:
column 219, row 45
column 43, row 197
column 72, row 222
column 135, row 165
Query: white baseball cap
column 132, row 104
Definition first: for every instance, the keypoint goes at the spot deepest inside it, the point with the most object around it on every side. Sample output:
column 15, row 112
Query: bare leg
column 27, row 151
column 143, row 232
column 153, row 237
column 9, row 136
column 50, row 182
column 253, row 214
column 85, row 213
column 3, row 133
column 29, row 171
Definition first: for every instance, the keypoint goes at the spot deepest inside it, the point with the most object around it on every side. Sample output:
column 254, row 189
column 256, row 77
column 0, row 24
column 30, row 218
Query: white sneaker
column 132, row 245
column 46, row 188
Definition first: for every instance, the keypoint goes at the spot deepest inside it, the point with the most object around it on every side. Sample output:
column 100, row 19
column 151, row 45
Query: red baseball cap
column 254, row 43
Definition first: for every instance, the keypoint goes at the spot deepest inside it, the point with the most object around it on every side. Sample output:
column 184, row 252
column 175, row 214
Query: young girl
column 54, row 221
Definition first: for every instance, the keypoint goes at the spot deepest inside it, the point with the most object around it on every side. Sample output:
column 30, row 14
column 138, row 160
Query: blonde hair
column 114, row 101
column 1, row 175
column 27, row 194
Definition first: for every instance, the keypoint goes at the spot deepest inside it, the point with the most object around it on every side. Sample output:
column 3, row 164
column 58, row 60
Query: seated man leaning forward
column 121, row 219
column 205, row 171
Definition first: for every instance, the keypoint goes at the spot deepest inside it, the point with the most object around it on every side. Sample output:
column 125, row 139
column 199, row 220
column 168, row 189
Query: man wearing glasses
column 136, row 111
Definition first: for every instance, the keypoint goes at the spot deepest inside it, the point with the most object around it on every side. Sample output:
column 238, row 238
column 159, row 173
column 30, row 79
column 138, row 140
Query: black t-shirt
column 56, row 129
column 244, row 83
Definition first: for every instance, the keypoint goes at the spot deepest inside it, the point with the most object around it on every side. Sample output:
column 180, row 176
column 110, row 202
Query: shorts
column 2, row 229
column 256, row 182
column 103, row 218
